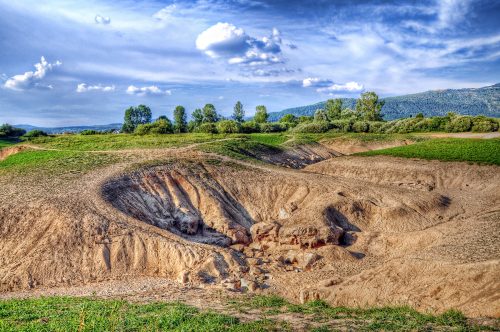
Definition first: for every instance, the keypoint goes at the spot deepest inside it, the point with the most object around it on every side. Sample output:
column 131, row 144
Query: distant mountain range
column 71, row 129
column 478, row 101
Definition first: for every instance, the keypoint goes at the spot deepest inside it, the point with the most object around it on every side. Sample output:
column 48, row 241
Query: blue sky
column 84, row 62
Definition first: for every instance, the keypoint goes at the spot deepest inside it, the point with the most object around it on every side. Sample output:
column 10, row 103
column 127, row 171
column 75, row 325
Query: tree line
column 138, row 119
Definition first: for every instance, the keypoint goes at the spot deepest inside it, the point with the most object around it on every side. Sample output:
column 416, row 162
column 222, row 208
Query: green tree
column 368, row 107
column 210, row 114
column 180, row 123
column 135, row 116
column 288, row 118
column 320, row 115
column 261, row 114
column 239, row 112
column 333, row 108
column 197, row 116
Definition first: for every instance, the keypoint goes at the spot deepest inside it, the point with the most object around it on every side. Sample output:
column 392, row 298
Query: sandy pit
column 355, row 231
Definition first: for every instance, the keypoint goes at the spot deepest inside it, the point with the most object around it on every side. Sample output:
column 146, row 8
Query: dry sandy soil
column 354, row 231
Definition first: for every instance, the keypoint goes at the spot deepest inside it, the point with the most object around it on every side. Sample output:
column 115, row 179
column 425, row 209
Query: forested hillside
column 480, row 101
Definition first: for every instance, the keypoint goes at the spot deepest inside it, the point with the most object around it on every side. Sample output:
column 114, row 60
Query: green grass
column 90, row 314
column 127, row 141
column 121, row 141
column 244, row 148
column 55, row 162
column 83, row 314
column 483, row 151
column 371, row 319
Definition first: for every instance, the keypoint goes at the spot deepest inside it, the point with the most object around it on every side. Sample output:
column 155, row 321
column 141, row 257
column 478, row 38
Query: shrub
column 160, row 126
column 250, row 127
column 89, row 132
column 272, row 127
column 305, row 119
column 459, row 124
column 360, row 127
column 34, row 133
column 143, row 129
column 485, row 126
column 314, row 127
column 342, row 125
column 228, row 127
column 207, row 128
column 374, row 126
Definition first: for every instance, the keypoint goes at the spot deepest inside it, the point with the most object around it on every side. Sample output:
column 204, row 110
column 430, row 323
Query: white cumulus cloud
column 224, row 40
column 82, row 87
column 102, row 19
column 152, row 90
column 31, row 79
column 347, row 87
column 326, row 85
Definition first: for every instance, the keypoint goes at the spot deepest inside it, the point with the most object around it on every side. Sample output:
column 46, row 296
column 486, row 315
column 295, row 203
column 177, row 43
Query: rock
column 183, row 277
column 309, row 259
column 249, row 284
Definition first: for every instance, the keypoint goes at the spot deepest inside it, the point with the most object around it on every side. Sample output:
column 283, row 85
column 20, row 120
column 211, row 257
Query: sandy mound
column 386, row 231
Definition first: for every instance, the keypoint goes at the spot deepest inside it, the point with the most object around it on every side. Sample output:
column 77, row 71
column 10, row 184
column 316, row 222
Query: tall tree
column 210, row 114
column 197, row 116
column 320, row 115
column 333, row 108
column 135, row 116
column 239, row 112
column 180, row 123
column 261, row 115
column 368, row 107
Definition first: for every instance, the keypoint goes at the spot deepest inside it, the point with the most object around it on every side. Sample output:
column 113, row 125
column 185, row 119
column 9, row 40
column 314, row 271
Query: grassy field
column 121, row 141
column 483, row 151
column 85, row 314
column 55, row 162
column 127, row 141
column 76, row 153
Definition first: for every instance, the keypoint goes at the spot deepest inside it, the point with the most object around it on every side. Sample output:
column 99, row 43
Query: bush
column 160, row 126
column 375, row 126
column 250, row 127
column 459, row 124
column 360, row 127
column 485, row 126
column 207, row 128
column 89, row 132
column 143, row 129
column 34, row 133
column 342, row 125
column 272, row 127
column 228, row 127
column 314, row 127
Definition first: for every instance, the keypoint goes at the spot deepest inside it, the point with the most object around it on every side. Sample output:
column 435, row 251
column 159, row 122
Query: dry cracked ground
column 185, row 224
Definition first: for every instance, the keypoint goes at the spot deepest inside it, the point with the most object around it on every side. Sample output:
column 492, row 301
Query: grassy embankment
column 482, row 151
column 86, row 314
column 77, row 153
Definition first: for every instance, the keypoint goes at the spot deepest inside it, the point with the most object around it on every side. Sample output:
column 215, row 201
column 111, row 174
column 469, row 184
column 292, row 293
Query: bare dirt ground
column 192, row 226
